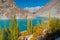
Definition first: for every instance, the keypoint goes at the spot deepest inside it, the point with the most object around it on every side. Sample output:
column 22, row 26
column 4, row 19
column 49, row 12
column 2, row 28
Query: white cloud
column 32, row 9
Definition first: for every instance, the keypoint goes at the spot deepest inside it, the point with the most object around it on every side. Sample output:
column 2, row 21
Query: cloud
column 32, row 9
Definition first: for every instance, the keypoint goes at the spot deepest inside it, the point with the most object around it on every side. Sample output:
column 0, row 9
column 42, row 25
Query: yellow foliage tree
column 33, row 38
column 1, row 34
column 29, row 26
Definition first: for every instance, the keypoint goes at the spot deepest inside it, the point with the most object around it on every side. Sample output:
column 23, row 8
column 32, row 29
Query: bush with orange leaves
column 24, row 34
column 34, row 34
column 33, row 38
column 38, row 32
column 34, row 29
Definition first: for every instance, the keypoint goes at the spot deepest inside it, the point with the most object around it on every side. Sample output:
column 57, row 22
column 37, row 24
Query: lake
column 22, row 23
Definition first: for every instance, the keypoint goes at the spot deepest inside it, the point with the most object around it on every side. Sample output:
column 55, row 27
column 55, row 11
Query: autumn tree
column 55, row 24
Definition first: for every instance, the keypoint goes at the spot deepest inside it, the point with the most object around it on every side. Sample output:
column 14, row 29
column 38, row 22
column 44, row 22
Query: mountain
column 53, row 7
column 32, row 9
column 8, row 9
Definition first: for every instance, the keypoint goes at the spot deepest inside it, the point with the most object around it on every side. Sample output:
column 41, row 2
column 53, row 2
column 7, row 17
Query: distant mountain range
column 8, row 9
column 53, row 7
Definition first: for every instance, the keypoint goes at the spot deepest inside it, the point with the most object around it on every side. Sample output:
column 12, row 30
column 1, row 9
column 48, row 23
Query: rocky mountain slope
column 53, row 7
column 8, row 9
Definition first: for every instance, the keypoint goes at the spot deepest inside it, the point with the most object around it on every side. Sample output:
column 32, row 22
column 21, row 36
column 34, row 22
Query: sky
column 30, row 3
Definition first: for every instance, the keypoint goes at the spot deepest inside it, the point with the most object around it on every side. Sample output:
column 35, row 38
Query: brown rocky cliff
column 53, row 7
column 8, row 8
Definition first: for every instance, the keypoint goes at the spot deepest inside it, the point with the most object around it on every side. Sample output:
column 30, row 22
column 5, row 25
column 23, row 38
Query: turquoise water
column 22, row 23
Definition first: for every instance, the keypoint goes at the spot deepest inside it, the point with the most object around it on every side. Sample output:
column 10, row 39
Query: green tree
column 10, row 33
column 6, row 34
column 1, row 34
column 55, row 24
column 29, row 26
column 14, row 29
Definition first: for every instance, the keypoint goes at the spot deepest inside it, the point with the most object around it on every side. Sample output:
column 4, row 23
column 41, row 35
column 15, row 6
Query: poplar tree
column 6, row 34
column 1, row 33
column 14, row 29
column 29, row 26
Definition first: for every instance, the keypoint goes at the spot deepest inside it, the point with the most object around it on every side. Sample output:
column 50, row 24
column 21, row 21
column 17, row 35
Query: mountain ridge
column 8, row 9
